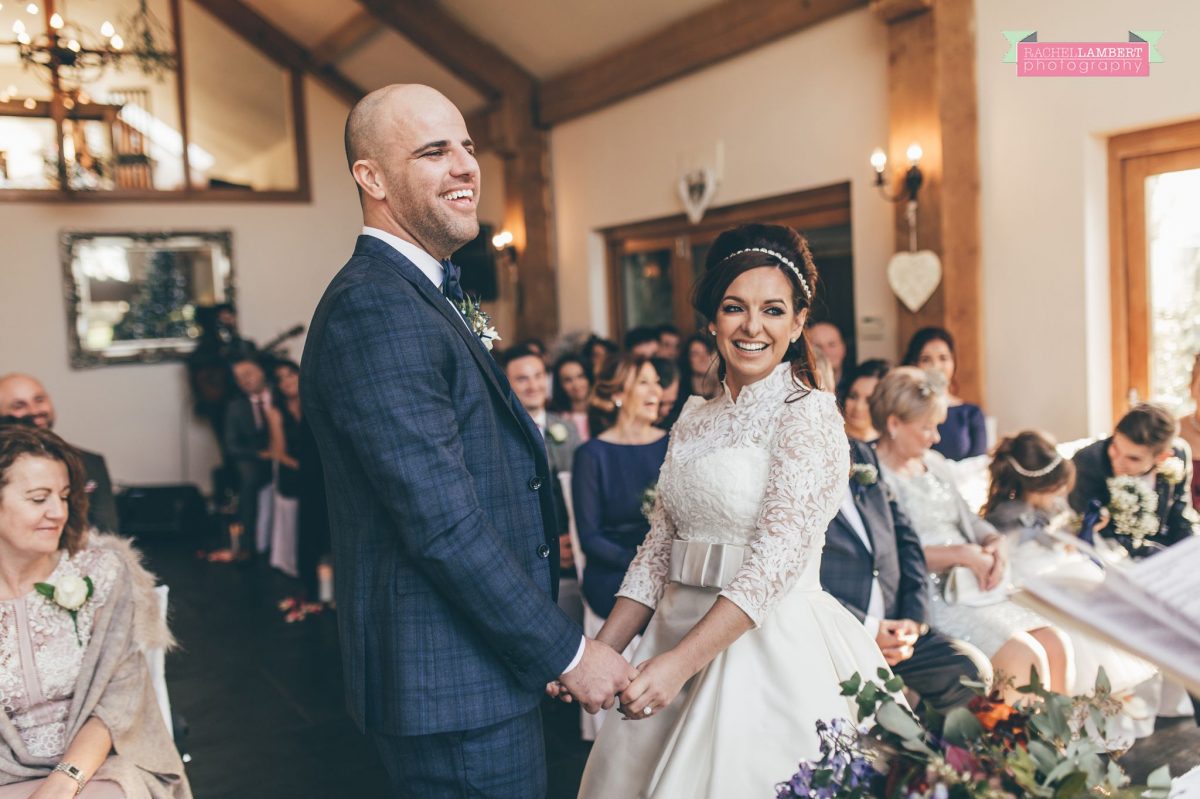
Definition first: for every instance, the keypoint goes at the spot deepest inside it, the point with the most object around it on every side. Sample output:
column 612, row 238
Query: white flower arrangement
column 479, row 321
column 1172, row 470
column 71, row 593
column 557, row 432
column 864, row 474
column 649, row 497
column 1134, row 509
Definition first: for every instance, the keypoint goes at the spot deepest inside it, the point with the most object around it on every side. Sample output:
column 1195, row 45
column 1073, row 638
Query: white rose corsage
column 557, row 432
column 479, row 321
column 1172, row 470
column 71, row 594
column 864, row 474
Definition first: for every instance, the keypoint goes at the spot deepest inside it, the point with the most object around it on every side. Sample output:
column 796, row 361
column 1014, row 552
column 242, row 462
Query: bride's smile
column 756, row 323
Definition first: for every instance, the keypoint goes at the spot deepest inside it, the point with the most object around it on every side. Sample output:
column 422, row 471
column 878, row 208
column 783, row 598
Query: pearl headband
column 1045, row 470
column 781, row 259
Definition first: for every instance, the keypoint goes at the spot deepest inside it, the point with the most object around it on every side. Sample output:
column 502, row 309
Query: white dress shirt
column 432, row 268
column 875, row 609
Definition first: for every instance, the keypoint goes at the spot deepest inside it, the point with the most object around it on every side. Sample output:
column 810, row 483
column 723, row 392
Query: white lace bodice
column 40, row 656
column 761, row 472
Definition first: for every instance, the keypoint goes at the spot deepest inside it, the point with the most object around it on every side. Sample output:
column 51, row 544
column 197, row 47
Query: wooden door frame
column 1132, row 157
column 825, row 206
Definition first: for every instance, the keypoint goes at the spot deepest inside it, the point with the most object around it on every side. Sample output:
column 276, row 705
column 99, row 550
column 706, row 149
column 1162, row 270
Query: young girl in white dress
column 743, row 652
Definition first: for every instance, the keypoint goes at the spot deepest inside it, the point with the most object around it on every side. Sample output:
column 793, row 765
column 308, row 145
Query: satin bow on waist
column 704, row 565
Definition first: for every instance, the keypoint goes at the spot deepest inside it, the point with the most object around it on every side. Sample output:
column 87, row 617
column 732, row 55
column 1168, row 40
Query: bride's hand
column 658, row 682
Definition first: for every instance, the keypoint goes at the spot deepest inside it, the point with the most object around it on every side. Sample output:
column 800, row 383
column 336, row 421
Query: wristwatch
column 74, row 773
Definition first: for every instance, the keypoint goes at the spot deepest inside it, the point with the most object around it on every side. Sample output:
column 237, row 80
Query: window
column 1155, row 253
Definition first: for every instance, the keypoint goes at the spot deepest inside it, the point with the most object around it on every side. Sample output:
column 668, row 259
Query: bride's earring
column 617, row 403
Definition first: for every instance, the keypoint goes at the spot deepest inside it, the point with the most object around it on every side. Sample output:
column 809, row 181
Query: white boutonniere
column 479, row 321
column 649, row 497
column 864, row 474
column 557, row 432
column 1172, row 470
column 71, row 594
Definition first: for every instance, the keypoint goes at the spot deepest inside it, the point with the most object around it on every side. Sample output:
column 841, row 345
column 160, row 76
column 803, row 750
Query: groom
column 440, row 506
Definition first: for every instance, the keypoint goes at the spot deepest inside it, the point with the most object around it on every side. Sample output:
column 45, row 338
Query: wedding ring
column 647, row 710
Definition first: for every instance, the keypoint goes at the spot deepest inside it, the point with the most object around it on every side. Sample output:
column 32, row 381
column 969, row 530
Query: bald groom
column 440, row 503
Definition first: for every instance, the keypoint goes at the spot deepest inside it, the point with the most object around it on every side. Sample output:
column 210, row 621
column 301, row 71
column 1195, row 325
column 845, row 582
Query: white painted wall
column 1043, row 151
column 803, row 112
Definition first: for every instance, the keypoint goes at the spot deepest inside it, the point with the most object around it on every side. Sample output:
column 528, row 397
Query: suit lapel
column 847, row 529
column 372, row 247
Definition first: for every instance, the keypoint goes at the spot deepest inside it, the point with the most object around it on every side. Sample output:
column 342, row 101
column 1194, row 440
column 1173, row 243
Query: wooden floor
column 263, row 699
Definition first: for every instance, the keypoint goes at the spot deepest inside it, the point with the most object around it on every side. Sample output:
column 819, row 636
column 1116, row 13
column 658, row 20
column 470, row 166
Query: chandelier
column 68, row 56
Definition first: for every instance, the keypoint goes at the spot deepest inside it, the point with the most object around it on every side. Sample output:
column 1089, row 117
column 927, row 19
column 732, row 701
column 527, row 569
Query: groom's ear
column 369, row 179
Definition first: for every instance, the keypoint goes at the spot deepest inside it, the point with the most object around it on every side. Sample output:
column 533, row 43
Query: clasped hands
column 603, row 676
column 987, row 561
column 896, row 639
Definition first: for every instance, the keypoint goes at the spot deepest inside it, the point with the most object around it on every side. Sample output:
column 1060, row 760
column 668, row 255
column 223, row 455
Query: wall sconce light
column 912, row 178
column 503, row 242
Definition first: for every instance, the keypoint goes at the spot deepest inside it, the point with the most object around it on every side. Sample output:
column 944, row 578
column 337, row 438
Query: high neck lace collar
column 779, row 381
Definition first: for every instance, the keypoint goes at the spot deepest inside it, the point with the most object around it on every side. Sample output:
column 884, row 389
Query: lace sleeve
column 810, row 461
column 647, row 574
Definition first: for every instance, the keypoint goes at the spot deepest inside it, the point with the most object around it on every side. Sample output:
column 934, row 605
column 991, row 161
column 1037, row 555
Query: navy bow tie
column 452, row 281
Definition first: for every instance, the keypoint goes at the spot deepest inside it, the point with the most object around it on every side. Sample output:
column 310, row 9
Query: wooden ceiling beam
column 348, row 36
column 278, row 46
column 475, row 61
column 721, row 31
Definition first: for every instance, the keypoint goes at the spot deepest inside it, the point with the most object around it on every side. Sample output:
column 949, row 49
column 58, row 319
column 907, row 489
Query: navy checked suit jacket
column 440, row 508
column 898, row 560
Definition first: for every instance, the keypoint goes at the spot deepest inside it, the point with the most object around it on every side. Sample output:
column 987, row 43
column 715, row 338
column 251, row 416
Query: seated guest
column 1144, row 446
column 527, row 375
column 247, row 444
column 597, row 350
column 668, row 378
column 1189, row 430
column 964, row 433
column 78, row 613
column 25, row 397
column 854, row 394
column 964, row 554
column 874, row 565
column 569, row 391
column 1028, row 489
column 668, row 342
column 641, row 342
column 698, row 369
column 612, row 474
column 826, row 338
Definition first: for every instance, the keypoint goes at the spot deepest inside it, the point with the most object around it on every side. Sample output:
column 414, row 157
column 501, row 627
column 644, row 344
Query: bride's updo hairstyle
column 1024, row 463
column 741, row 249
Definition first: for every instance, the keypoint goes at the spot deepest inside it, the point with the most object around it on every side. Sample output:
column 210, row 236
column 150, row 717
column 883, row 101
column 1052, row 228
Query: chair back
column 564, row 480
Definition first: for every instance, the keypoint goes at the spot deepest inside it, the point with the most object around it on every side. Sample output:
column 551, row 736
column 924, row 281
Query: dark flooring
column 263, row 699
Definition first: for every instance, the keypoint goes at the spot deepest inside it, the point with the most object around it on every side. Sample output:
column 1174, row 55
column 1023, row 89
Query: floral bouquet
column 1134, row 508
column 649, row 497
column 1050, row 746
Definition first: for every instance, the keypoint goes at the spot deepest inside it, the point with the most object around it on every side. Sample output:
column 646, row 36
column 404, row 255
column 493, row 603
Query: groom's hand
column 599, row 677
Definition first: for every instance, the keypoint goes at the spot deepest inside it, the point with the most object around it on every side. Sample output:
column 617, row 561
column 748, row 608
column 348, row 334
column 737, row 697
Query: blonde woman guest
column 906, row 407
column 612, row 472
column 854, row 395
column 963, row 433
column 80, row 714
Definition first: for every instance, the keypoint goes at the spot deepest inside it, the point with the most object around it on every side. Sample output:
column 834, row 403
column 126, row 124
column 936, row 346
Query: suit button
column 874, row 572
column 535, row 483
column 543, row 551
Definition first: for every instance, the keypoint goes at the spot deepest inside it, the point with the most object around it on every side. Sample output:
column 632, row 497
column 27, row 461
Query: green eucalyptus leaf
column 1045, row 757
column 894, row 685
column 45, row 589
column 961, row 727
column 883, row 673
column 1102, row 681
column 895, row 719
column 850, row 687
column 1072, row 786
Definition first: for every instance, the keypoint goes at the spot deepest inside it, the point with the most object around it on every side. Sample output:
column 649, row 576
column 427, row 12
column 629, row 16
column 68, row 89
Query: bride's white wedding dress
column 760, row 479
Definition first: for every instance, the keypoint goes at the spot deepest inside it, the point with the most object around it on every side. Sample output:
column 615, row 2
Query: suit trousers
column 503, row 761
column 936, row 668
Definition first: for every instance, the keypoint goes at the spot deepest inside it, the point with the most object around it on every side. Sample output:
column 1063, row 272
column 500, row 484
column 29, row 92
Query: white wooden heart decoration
column 697, row 202
column 914, row 276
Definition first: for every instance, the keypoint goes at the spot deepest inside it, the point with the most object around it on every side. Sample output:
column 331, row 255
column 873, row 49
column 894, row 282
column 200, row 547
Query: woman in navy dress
column 612, row 473
column 964, row 433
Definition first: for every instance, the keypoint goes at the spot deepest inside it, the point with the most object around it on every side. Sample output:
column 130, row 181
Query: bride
column 744, row 651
